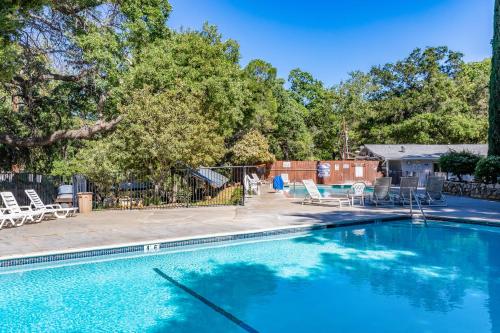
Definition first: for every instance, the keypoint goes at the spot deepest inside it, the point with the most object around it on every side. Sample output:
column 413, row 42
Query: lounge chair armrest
column 53, row 206
column 25, row 207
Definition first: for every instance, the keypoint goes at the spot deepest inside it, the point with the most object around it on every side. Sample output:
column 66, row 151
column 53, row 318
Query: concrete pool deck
column 269, row 211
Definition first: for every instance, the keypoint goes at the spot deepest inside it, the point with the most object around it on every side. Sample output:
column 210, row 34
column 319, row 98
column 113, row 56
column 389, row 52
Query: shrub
column 459, row 163
column 488, row 169
column 252, row 149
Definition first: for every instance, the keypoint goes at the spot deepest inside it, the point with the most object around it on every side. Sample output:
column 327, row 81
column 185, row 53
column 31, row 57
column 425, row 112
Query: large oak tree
column 61, row 64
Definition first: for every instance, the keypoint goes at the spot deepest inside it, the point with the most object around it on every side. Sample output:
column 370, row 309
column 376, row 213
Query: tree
column 260, row 110
column 459, row 163
column 157, row 131
column 432, row 96
column 488, row 169
column 251, row 149
column 291, row 139
column 62, row 64
column 494, row 105
column 205, row 64
column 322, row 121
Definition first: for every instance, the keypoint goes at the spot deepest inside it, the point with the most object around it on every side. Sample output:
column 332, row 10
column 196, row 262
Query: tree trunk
column 494, row 105
column 84, row 133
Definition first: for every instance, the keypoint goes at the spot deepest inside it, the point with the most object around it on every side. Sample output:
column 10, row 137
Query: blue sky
column 332, row 38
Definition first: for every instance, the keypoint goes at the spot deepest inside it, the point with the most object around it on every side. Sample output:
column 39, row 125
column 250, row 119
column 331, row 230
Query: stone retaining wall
column 475, row 190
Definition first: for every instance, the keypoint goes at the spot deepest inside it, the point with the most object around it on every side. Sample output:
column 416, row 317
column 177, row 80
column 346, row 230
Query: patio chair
column 406, row 186
column 382, row 192
column 286, row 180
column 11, row 205
column 434, row 192
column 14, row 219
column 251, row 186
column 314, row 196
column 357, row 191
column 54, row 209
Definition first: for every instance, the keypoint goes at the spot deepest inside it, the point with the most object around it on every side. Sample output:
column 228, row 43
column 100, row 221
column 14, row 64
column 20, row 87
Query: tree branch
column 82, row 133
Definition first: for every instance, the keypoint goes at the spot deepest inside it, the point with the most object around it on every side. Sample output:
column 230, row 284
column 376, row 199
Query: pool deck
column 106, row 229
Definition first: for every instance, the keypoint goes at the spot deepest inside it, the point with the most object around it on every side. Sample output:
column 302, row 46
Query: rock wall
column 474, row 190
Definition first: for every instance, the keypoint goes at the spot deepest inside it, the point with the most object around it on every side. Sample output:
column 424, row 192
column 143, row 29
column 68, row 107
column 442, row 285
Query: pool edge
column 88, row 252
column 138, row 247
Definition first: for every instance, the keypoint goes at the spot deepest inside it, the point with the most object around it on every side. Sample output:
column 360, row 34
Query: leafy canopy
column 459, row 163
column 252, row 149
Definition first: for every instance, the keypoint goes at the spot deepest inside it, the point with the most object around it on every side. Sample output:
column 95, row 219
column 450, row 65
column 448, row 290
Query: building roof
column 215, row 179
column 419, row 152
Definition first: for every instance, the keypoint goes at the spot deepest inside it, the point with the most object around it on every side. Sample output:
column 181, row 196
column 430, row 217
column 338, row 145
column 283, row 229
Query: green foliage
column 459, row 163
column 158, row 131
column 236, row 196
column 183, row 95
column 488, row 169
column 430, row 97
column 251, row 149
column 204, row 64
column 62, row 63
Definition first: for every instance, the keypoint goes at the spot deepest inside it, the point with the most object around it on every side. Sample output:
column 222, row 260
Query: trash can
column 84, row 202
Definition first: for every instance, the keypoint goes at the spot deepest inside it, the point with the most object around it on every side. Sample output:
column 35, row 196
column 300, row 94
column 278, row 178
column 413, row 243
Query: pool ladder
column 417, row 200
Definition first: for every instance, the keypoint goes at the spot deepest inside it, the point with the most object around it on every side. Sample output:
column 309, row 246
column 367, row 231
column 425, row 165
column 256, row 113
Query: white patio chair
column 314, row 196
column 357, row 191
column 11, row 205
column 55, row 209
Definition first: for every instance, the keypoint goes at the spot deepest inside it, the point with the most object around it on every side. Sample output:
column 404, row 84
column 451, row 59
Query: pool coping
column 131, row 247
column 156, row 245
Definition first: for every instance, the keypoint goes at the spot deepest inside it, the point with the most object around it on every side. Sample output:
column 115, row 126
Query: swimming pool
column 386, row 277
column 299, row 191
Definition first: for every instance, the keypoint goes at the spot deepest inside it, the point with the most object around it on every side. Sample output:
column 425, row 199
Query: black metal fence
column 174, row 187
column 45, row 186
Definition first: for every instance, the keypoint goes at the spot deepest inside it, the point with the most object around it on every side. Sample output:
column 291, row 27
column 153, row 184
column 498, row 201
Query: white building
column 413, row 160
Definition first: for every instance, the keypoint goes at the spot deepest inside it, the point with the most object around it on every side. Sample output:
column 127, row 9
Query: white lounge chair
column 256, row 178
column 14, row 219
column 11, row 205
column 286, row 180
column 314, row 196
column 54, row 209
column 251, row 186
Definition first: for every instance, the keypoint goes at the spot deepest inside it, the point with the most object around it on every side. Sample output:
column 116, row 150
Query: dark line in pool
column 214, row 307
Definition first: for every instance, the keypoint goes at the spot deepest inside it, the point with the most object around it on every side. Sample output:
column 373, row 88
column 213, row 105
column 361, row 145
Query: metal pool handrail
column 417, row 200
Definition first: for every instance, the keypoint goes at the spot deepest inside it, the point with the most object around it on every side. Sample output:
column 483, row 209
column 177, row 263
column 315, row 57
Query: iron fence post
column 244, row 184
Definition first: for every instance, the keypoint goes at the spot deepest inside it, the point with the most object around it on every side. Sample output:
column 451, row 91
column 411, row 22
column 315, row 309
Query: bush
column 252, row 149
column 459, row 163
column 488, row 169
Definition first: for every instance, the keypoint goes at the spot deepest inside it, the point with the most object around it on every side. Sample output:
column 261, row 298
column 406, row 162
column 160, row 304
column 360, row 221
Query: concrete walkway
column 268, row 211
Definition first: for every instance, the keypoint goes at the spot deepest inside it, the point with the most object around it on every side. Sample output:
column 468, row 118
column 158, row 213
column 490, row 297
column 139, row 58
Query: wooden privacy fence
column 341, row 172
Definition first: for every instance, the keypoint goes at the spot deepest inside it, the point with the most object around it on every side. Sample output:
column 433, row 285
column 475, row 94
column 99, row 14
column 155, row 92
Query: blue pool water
column 299, row 191
column 389, row 277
